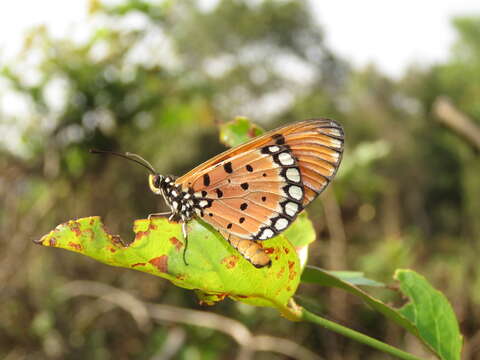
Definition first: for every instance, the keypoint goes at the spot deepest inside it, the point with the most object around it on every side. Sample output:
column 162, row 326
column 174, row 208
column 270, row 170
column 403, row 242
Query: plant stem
column 355, row 335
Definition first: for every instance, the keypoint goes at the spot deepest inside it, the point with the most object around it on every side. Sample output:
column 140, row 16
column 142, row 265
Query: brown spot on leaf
column 177, row 243
column 112, row 250
column 289, row 288
column 293, row 273
column 141, row 234
column 161, row 263
column 212, row 299
column 181, row 277
column 75, row 246
column 117, row 241
column 221, row 296
column 286, row 250
column 269, row 250
column 138, row 264
column 252, row 131
column 230, row 261
column 152, row 226
column 105, row 229
column 53, row 241
column 75, row 228
column 281, row 272
column 91, row 222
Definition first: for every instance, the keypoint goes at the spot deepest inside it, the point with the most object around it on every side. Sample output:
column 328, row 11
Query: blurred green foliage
column 155, row 79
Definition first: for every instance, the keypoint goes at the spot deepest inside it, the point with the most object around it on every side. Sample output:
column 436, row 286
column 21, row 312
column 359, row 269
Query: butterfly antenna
column 129, row 156
column 139, row 158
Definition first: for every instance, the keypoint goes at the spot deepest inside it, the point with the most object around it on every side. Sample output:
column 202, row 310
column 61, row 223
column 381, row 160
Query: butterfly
column 254, row 191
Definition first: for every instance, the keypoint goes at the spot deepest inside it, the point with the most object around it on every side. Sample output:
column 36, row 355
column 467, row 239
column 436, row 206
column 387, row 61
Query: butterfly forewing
column 256, row 190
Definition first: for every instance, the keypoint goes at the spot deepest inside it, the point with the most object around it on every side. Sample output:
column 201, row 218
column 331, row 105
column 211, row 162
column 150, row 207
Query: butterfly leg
column 185, row 236
column 160, row 214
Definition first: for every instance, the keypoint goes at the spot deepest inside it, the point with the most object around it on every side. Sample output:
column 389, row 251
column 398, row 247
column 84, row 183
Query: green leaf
column 431, row 313
column 356, row 278
column 316, row 275
column 238, row 131
column 428, row 316
column 301, row 233
column 215, row 269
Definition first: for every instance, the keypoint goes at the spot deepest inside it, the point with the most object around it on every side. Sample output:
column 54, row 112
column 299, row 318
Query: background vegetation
column 156, row 79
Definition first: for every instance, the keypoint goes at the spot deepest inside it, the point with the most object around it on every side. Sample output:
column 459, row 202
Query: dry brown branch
column 175, row 339
column 289, row 348
column 143, row 313
column 337, row 253
column 122, row 299
column 448, row 114
column 338, row 239
column 234, row 329
column 337, row 250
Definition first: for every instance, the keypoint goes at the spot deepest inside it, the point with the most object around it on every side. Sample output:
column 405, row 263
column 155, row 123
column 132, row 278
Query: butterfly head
column 156, row 182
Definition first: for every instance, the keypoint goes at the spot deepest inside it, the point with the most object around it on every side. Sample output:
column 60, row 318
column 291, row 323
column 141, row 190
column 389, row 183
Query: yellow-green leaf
column 215, row 269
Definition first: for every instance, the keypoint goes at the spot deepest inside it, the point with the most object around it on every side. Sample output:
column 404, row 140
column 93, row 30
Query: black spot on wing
column 206, row 180
column 279, row 139
column 228, row 167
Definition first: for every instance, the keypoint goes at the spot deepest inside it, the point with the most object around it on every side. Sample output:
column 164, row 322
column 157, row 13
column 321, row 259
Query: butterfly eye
column 155, row 181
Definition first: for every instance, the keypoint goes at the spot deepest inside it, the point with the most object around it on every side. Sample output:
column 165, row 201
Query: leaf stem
column 355, row 335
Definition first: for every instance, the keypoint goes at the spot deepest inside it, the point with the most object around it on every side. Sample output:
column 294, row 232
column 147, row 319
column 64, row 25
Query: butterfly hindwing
column 255, row 191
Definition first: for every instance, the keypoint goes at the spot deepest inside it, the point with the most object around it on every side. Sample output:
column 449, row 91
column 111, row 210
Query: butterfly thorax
column 183, row 203
column 179, row 201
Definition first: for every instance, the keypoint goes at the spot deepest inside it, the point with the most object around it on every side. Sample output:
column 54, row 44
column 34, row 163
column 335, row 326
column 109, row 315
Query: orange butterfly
column 254, row 191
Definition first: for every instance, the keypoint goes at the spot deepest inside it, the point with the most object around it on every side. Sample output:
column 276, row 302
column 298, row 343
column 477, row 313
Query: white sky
column 17, row 16
column 392, row 34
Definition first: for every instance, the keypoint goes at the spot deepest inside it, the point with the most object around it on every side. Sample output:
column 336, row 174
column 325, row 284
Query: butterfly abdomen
column 250, row 250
